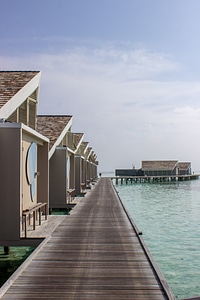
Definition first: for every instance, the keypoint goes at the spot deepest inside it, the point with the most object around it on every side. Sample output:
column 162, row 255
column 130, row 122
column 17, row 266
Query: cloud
column 132, row 104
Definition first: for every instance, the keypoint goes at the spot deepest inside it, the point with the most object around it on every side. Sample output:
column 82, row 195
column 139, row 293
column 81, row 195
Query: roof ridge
column 19, row 71
column 54, row 115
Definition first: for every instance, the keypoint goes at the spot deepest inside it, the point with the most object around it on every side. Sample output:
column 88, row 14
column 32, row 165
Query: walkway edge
column 155, row 267
column 21, row 268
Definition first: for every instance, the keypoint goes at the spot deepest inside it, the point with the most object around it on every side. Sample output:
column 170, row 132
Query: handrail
column 33, row 210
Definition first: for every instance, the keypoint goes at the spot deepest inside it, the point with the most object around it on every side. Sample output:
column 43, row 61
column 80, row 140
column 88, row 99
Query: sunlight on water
column 168, row 214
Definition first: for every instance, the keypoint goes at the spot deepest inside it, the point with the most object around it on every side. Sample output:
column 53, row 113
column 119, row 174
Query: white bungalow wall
column 10, row 186
column 27, row 201
column 72, row 172
column 78, row 176
column 58, row 178
column 14, row 188
column 84, row 170
column 42, row 177
column 26, row 112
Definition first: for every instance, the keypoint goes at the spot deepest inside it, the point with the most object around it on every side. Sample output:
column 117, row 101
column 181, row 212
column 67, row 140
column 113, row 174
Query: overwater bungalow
column 157, row 171
column 165, row 168
column 23, row 156
column 158, row 168
column 86, row 167
column 66, row 172
column 38, row 158
column 184, row 168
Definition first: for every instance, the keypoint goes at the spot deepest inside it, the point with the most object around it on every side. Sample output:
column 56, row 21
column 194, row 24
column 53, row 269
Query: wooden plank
column 98, row 295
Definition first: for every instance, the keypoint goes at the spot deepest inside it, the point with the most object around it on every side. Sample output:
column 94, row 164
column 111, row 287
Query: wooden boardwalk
column 95, row 253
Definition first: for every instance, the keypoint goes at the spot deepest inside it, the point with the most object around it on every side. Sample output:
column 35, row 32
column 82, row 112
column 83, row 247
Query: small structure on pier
column 157, row 171
column 157, row 168
column 184, row 168
column 165, row 167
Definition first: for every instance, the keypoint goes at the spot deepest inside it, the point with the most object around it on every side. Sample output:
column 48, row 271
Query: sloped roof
column 159, row 164
column 52, row 126
column 77, row 138
column 13, row 81
column 84, row 145
column 88, row 152
column 184, row 165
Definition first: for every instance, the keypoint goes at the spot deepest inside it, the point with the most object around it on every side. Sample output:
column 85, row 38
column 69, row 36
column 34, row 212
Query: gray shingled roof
column 84, row 145
column 13, row 81
column 52, row 126
column 77, row 138
column 184, row 165
column 159, row 164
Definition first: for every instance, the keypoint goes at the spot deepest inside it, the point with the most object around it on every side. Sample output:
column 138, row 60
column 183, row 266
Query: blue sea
column 168, row 214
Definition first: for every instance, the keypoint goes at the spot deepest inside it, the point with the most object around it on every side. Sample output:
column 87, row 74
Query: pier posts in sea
column 153, row 179
column 6, row 250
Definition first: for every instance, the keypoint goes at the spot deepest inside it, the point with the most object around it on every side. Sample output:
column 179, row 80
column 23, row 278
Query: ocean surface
column 168, row 214
column 10, row 263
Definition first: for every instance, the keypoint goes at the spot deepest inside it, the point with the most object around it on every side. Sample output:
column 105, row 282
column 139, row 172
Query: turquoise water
column 168, row 214
column 9, row 263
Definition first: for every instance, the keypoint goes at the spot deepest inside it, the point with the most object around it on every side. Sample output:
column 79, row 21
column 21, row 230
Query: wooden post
column 6, row 250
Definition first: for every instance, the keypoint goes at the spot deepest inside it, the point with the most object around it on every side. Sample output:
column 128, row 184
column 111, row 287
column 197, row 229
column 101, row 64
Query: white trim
column 7, row 110
column 89, row 154
column 34, row 132
column 25, row 128
column 84, row 152
column 79, row 144
column 70, row 150
column 60, row 138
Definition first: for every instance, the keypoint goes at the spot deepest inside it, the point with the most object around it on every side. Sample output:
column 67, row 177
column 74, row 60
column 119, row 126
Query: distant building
column 158, row 168
column 129, row 172
column 184, row 168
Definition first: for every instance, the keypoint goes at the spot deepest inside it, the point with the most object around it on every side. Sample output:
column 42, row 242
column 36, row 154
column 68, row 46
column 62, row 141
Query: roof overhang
column 60, row 138
column 20, row 97
column 79, row 144
column 41, row 138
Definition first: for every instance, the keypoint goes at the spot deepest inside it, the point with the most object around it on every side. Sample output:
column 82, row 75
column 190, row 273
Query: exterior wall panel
column 78, row 172
column 58, row 178
column 10, row 189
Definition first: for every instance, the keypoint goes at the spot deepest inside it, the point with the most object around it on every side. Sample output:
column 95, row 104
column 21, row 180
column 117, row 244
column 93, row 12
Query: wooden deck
column 95, row 253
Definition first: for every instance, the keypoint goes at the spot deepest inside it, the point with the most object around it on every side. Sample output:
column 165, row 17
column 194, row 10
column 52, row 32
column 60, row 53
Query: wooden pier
column 95, row 253
column 153, row 179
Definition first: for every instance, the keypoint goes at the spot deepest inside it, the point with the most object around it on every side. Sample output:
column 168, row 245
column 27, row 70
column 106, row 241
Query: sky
column 127, row 70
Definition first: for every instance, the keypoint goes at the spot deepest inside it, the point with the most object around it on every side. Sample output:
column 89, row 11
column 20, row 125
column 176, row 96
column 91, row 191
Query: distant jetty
column 153, row 179
column 156, row 171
